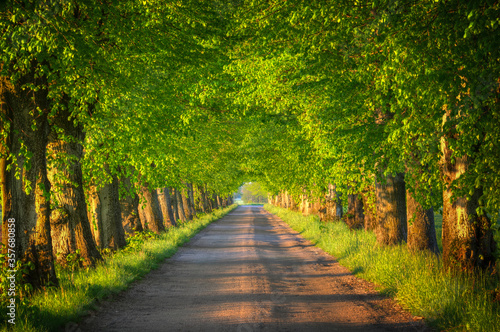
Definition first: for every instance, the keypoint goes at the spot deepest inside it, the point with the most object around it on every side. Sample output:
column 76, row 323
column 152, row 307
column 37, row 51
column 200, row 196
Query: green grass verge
column 81, row 290
column 416, row 281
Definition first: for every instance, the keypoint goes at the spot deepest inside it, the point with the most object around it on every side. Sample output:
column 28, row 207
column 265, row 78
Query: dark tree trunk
column 421, row 228
column 355, row 217
column 149, row 210
column 391, row 210
column 113, row 234
column 180, row 204
column 30, row 212
column 173, row 203
column 70, row 227
column 213, row 202
column 192, row 205
column 185, row 203
column 203, row 200
column 166, row 207
column 129, row 206
column 467, row 236
column 369, row 210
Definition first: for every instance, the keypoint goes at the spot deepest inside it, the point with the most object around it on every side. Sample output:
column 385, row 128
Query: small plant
column 74, row 260
column 135, row 241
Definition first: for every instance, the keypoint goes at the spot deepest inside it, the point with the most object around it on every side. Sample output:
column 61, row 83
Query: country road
column 250, row 272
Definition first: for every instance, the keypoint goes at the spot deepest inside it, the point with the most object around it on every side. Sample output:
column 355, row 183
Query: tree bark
column 421, row 228
column 391, row 210
column 149, row 210
column 180, row 204
column 173, row 202
column 166, row 207
column 185, row 202
column 94, row 215
column 30, row 211
column 129, row 207
column 355, row 217
column 369, row 210
column 113, row 234
column 192, row 205
column 203, row 200
column 70, row 227
column 467, row 236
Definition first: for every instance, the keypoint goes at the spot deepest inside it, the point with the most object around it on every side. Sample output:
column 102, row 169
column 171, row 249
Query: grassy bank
column 416, row 281
column 82, row 290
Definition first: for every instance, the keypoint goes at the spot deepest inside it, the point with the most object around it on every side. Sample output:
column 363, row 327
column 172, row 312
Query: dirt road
column 250, row 272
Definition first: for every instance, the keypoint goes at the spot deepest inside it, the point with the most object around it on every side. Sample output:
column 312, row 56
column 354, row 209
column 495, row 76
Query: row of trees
column 103, row 126
column 393, row 104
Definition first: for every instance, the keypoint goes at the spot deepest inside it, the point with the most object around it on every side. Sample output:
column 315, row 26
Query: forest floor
column 249, row 271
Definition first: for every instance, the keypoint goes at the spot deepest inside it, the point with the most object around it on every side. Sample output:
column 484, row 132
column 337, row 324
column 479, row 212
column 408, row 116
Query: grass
column 81, row 290
column 417, row 281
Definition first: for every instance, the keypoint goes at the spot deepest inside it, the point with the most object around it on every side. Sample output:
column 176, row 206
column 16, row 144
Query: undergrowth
column 81, row 290
column 417, row 281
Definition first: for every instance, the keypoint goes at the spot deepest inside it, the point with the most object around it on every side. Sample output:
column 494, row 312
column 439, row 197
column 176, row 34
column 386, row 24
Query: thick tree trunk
column 370, row 215
column 203, row 199
column 391, row 210
column 219, row 201
column 166, row 207
column 192, row 205
column 467, row 236
column 185, row 202
column 94, row 215
column 213, row 202
column 113, row 234
column 355, row 217
column 149, row 210
column 180, row 204
column 70, row 227
column 173, row 202
column 29, row 213
column 129, row 207
column 421, row 228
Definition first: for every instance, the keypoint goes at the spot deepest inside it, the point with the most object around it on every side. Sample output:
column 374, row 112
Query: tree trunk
column 70, row 227
column 166, row 206
column 113, row 234
column 129, row 207
column 467, row 236
column 30, row 212
column 369, row 210
column 338, row 211
column 421, row 229
column 218, row 199
column 149, row 210
column 180, row 204
column 213, row 202
column 355, row 217
column 203, row 200
column 185, row 202
column 391, row 210
column 94, row 215
column 192, row 205
column 173, row 202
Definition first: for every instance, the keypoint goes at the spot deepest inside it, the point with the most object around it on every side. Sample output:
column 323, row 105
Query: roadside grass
column 417, row 281
column 81, row 290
